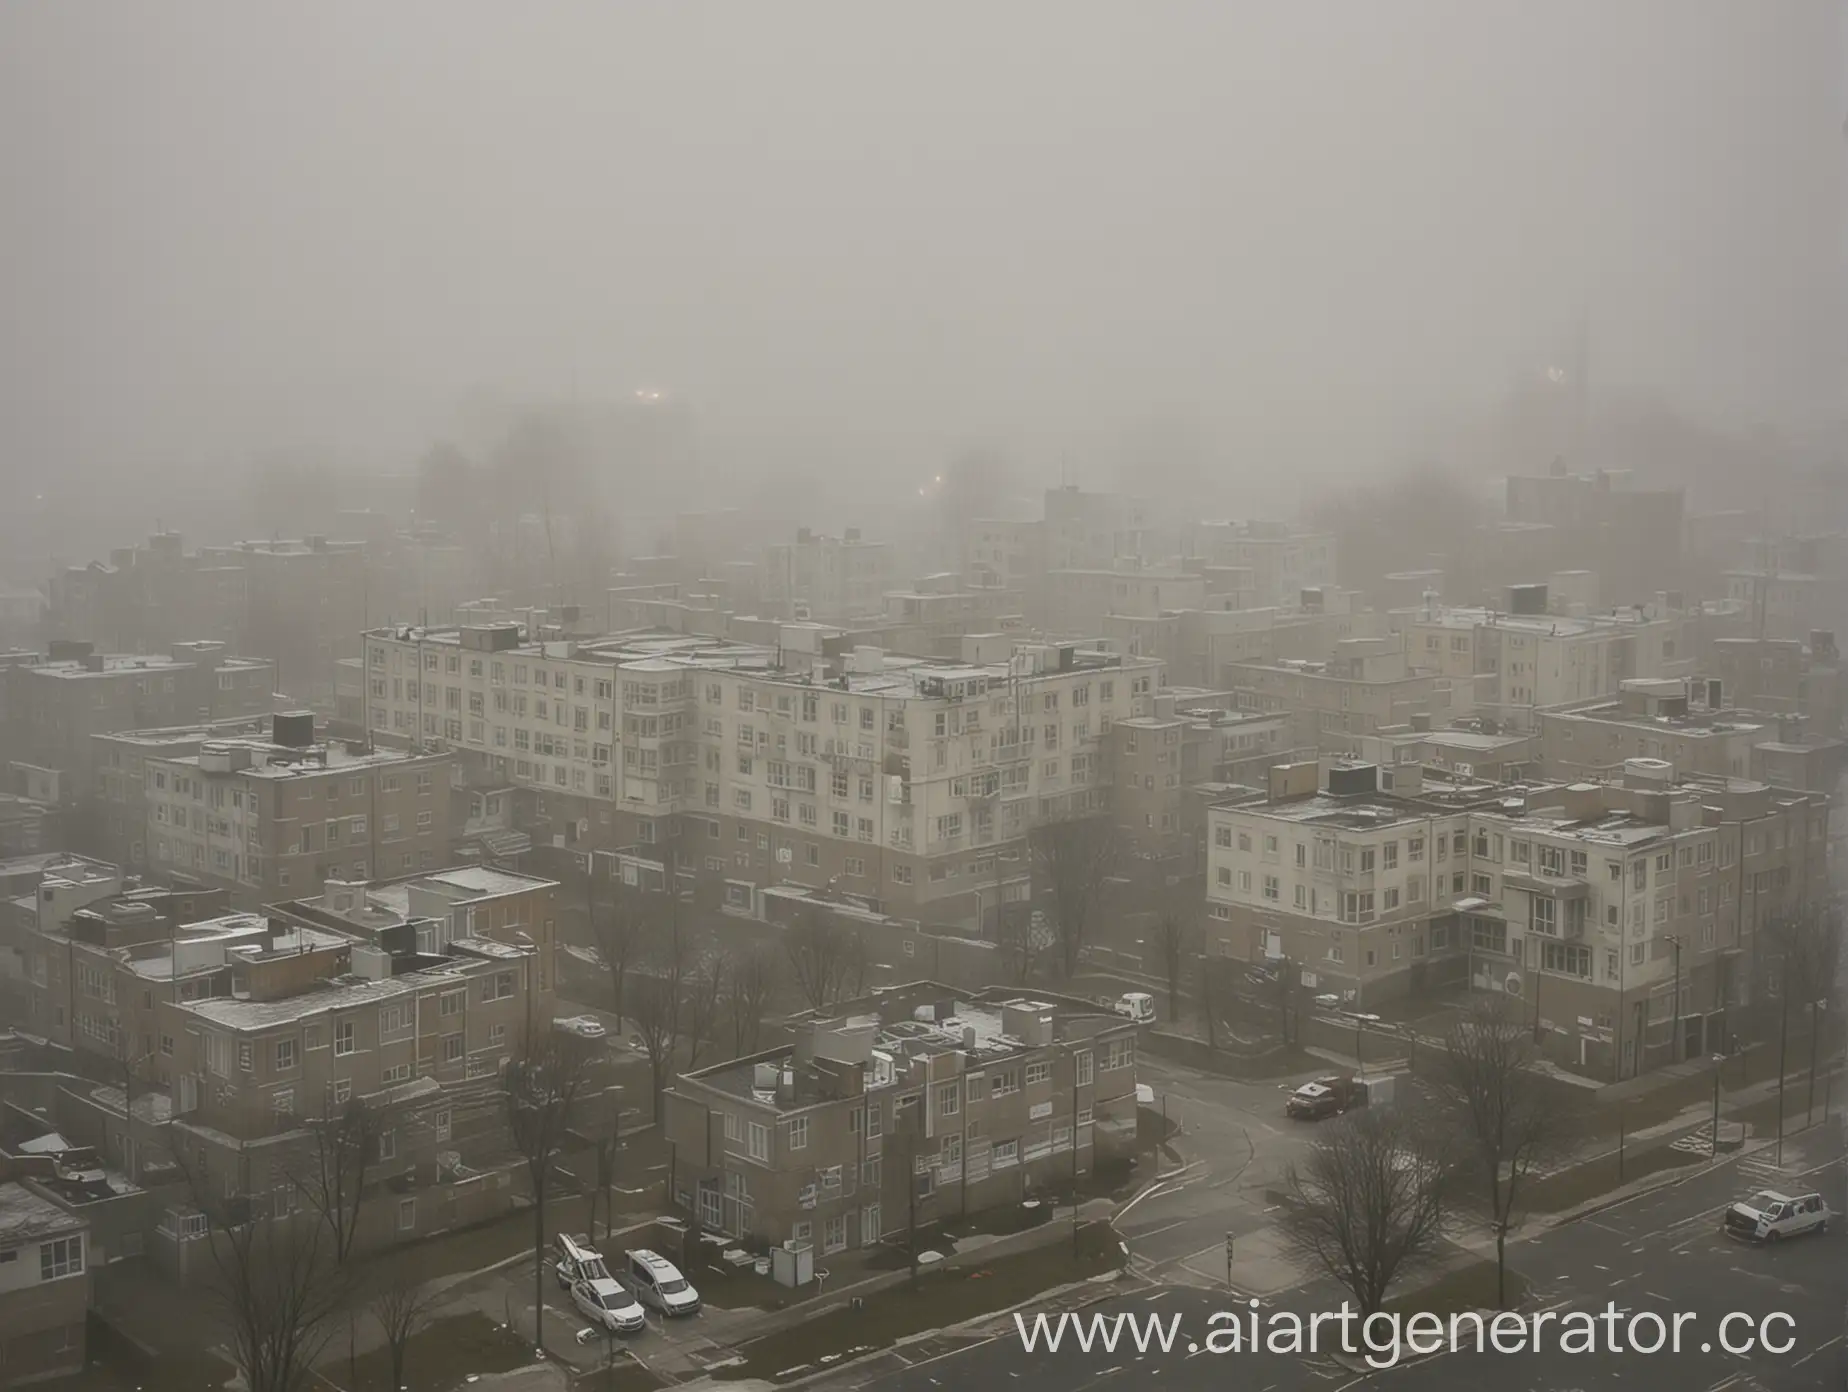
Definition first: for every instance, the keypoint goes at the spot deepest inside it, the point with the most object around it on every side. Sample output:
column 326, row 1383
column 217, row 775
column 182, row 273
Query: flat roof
column 26, row 1216
column 289, row 761
column 121, row 664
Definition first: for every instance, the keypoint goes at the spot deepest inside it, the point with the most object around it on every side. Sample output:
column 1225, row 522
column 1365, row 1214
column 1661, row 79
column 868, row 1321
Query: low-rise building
column 1691, row 726
column 115, row 824
column 266, row 819
column 1574, row 898
column 44, row 1287
column 54, row 708
column 910, row 1106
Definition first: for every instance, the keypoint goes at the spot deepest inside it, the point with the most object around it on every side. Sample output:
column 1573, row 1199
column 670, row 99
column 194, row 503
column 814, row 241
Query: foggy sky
column 235, row 226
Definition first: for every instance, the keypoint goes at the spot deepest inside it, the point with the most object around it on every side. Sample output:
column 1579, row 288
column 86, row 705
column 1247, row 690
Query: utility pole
column 1713, row 1152
column 1816, row 1008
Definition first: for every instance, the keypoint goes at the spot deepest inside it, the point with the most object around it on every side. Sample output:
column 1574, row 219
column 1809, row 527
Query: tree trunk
column 397, row 1364
column 1501, row 1266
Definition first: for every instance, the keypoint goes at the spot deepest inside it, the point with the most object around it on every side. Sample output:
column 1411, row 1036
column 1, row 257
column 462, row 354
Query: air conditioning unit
column 1512, row 984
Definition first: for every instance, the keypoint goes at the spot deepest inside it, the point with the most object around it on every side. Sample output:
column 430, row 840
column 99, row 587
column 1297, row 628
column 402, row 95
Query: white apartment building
column 1540, row 660
column 907, row 782
column 1591, row 903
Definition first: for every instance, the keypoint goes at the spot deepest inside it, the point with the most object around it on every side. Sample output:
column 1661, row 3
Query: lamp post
column 1674, row 1038
column 1713, row 1150
column 1817, row 1006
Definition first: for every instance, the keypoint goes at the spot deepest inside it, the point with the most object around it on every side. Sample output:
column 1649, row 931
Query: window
column 759, row 1141
column 407, row 1214
column 949, row 1099
column 344, row 1038
column 285, row 1055
column 1004, row 1154
column 798, row 1133
column 343, row 1090
column 388, row 1145
column 62, row 1257
column 1038, row 1073
column 452, row 1048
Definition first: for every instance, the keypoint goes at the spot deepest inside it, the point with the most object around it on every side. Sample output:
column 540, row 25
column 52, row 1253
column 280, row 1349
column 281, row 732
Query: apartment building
column 463, row 902
column 44, row 888
column 1159, row 761
column 1282, row 563
column 96, row 975
column 1533, row 659
column 827, row 579
column 1601, row 521
column 145, row 597
column 267, row 818
column 54, row 708
column 44, row 1287
column 1691, row 726
column 315, row 1021
column 114, row 823
column 1782, row 676
column 1629, row 916
column 897, row 780
column 306, row 604
column 1366, row 685
column 930, row 619
column 976, row 1102
column 1078, row 602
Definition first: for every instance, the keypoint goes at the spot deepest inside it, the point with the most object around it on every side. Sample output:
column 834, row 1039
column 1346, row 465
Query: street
column 1658, row 1253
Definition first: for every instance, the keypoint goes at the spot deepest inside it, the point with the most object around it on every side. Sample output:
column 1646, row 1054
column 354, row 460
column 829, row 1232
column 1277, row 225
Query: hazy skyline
column 235, row 227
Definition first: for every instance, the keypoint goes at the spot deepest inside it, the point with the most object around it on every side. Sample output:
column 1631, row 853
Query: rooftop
column 1697, row 723
column 335, row 993
column 120, row 664
column 26, row 1216
column 271, row 761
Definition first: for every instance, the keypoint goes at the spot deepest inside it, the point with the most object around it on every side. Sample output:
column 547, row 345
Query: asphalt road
column 1661, row 1253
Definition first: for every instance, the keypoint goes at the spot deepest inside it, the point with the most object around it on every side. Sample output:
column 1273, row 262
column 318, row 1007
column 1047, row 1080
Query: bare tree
column 331, row 1177
column 1171, row 938
column 544, row 1085
column 274, row 1282
column 1509, row 1114
column 750, row 981
column 826, row 960
column 1024, row 938
column 619, row 929
column 660, row 1006
column 402, row 1309
column 703, row 991
column 1073, row 860
column 1370, row 1201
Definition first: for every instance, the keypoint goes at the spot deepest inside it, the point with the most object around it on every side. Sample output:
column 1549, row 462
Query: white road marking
column 1818, row 1349
column 1166, row 1227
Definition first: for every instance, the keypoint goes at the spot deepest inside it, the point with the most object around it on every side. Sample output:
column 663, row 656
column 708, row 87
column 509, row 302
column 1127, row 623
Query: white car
column 583, row 1026
column 1769, row 1216
column 658, row 1282
column 608, row 1305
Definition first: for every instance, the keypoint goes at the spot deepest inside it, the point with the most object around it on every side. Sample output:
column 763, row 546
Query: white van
column 1136, row 1005
column 658, row 1282
column 1769, row 1216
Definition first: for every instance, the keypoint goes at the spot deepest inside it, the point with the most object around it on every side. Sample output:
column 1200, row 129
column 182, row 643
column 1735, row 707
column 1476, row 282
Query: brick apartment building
column 115, row 826
column 266, row 819
column 315, row 1021
column 53, row 708
column 913, row 1097
column 44, row 1287
column 1591, row 902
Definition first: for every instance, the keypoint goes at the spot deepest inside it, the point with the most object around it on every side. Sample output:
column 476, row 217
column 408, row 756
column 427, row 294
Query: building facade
column 919, row 1107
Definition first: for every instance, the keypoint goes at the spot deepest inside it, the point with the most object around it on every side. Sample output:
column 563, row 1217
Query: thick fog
column 870, row 234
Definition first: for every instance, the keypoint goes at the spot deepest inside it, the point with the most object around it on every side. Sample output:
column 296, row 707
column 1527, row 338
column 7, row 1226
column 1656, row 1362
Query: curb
column 1121, row 1277
column 1666, row 1179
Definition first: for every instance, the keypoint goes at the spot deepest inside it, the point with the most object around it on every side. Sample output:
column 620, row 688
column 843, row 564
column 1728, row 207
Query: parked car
column 658, row 1282
column 583, row 1026
column 1769, row 1216
column 608, row 1305
column 1325, row 1097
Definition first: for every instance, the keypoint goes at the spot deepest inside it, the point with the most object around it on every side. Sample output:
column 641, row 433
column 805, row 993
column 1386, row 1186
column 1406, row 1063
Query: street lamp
column 1713, row 1150
column 1817, row 1006
column 1674, row 1039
